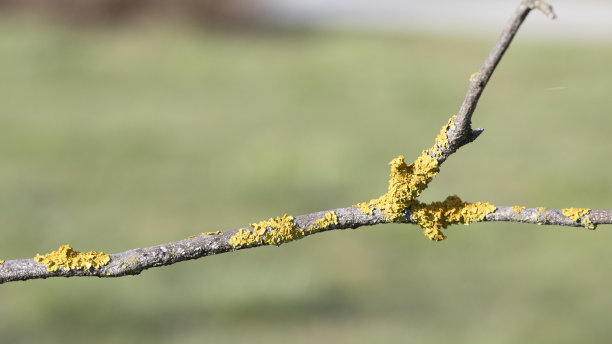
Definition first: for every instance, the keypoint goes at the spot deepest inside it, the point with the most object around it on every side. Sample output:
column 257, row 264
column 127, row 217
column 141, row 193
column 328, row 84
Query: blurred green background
column 116, row 137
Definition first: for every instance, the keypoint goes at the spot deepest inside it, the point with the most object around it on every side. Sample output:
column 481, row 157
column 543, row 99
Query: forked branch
column 399, row 204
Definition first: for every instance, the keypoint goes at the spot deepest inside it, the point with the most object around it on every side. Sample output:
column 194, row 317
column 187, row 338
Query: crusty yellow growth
column 365, row 207
column 442, row 138
column 329, row 219
column 517, row 208
column 68, row 259
column 438, row 215
column 586, row 223
column 408, row 181
column 405, row 184
column 276, row 231
column 1, row 261
column 244, row 238
column 273, row 231
column 575, row 213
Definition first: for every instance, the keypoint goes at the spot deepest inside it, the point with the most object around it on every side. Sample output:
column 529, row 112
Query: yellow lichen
column 329, row 219
column 244, row 238
column 473, row 76
column 1, row 261
column 276, row 231
column 575, row 213
column 438, row 215
column 68, row 259
column 442, row 138
column 586, row 223
column 405, row 184
column 517, row 208
column 365, row 208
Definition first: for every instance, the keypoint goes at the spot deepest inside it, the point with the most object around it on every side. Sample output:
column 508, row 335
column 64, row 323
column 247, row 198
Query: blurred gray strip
column 577, row 20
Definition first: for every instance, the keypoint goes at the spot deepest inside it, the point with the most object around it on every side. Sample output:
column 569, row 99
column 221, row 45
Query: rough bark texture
column 134, row 261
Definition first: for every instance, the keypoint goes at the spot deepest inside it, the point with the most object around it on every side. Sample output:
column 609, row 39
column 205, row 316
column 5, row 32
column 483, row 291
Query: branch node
column 476, row 133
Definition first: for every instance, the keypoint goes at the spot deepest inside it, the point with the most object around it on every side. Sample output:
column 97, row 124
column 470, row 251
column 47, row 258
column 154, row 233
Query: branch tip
column 543, row 7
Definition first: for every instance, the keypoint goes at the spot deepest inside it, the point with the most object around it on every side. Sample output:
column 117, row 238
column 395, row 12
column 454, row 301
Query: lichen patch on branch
column 274, row 231
column 576, row 213
column 406, row 182
column 244, row 238
column 329, row 219
column 65, row 257
column 442, row 138
column 517, row 208
column 586, row 223
column 438, row 215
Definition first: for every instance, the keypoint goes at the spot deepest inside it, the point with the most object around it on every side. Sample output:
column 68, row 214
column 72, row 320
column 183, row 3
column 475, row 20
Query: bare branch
column 462, row 132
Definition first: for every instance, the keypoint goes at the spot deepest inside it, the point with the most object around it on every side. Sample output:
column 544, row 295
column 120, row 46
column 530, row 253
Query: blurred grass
column 115, row 138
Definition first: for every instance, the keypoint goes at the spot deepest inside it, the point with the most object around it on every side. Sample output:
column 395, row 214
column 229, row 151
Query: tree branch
column 463, row 133
column 399, row 204
column 134, row 261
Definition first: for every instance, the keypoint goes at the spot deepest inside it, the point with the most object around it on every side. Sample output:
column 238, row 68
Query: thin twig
column 463, row 133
